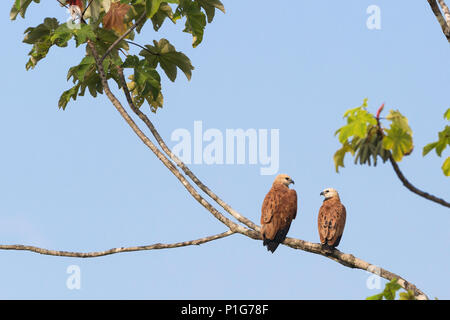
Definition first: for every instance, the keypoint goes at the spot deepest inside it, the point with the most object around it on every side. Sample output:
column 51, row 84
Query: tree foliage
column 440, row 145
column 103, row 23
column 367, row 138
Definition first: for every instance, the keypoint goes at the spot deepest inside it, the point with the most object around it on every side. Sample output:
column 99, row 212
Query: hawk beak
column 322, row 194
column 292, row 181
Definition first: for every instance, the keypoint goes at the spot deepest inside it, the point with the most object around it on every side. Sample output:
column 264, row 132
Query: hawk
column 278, row 210
column 331, row 220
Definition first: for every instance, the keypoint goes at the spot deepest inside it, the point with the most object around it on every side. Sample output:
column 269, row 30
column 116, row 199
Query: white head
column 284, row 179
column 330, row 193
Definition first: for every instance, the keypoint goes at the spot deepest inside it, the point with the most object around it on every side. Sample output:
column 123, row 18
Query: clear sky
column 80, row 180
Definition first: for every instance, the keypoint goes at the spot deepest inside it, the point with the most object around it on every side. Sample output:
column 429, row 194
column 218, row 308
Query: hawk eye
column 287, row 178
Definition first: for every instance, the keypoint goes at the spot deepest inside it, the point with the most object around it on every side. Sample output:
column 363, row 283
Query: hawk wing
column 278, row 210
column 331, row 222
column 269, row 207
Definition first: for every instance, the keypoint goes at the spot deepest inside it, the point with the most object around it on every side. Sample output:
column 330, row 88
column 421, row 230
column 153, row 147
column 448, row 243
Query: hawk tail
column 272, row 245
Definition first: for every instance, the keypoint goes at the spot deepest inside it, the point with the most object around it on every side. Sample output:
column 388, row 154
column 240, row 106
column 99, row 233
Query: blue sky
column 80, row 180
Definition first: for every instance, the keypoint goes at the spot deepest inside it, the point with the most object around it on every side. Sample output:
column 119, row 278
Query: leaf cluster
column 365, row 137
column 441, row 144
column 390, row 292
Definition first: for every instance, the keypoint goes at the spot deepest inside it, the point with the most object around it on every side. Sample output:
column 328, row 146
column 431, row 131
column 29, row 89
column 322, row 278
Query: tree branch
column 412, row 188
column 115, row 250
column 446, row 11
column 437, row 12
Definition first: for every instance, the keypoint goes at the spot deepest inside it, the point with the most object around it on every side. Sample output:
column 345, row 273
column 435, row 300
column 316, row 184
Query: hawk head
column 284, row 179
column 330, row 193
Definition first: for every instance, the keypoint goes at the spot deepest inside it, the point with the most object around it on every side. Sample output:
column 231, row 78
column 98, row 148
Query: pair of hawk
column 280, row 208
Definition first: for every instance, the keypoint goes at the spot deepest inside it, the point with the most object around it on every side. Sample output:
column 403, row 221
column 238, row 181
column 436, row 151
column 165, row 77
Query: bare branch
column 116, row 250
column 437, row 12
column 412, row 188
column 446, row 11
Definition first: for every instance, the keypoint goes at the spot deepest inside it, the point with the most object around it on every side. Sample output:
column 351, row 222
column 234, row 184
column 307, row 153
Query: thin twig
column 115, row 250
column 140, row 46
column 87, row 7
column 412, row 188
column 62, row 4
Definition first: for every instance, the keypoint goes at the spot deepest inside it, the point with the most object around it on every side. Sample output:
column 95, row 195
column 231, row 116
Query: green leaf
column 145, row 84
column 148, row 79
column 409, row 295
column 87, row 64
column 398, row 141
column 440, row 145
column 391, row 289
column 195, row 20
column 20, row 7
column 165, row 54
column 428, row 148
column 151, row 7
column 131, row 61
column 62, row 35
column 67, row 95
column 444, row 140
column 210, row 8
column 83, row 34
column 399, row 120
column 39, row 33
column 40, row 38
column 446, row 167
column 165, row 11
column 447, row 114
column 340, row 155
column 358, row 122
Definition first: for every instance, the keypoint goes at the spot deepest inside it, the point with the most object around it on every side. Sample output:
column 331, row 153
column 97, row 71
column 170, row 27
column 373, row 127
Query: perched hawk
column 278, row 210
column 331, row 220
